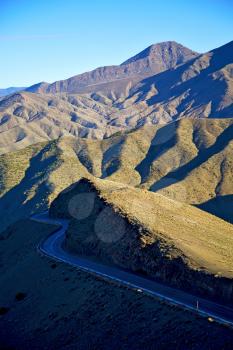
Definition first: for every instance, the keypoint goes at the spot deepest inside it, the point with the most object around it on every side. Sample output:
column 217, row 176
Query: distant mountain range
column 161, row 84
column 10, row 90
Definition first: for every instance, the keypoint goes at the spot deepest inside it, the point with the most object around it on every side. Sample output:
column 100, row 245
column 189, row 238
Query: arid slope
column 164, row 83
column 189, row 161
column 149, row 233
column 57, row 300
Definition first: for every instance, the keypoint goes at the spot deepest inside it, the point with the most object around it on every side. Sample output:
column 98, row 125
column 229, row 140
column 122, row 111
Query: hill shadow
column 164, row 139
column 17, row 203
column 221, row 206
column 111, row 162
column 179, row 174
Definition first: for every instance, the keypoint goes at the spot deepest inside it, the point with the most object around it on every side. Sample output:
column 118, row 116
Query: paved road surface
column 52, row 247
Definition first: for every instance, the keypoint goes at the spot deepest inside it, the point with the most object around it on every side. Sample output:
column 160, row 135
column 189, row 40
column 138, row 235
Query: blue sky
column 48, row 40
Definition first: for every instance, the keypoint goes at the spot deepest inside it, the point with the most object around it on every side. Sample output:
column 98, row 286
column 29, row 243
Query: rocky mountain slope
column 189, row 161
column 149, row 233
column 200, row 88
column 27, row 118
column 167, row 82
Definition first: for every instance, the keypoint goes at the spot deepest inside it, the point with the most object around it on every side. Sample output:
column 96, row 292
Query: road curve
column 52, row 247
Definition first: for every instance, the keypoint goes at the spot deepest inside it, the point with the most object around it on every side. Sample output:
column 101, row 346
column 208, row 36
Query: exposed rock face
column 162, row 56
column 201, row 87
column 97, row 228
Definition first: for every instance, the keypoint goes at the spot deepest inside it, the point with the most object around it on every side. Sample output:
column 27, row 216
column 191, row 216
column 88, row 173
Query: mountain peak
column 168, row 53
column 153, row 60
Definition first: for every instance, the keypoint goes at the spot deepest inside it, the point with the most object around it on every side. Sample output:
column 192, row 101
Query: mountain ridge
column 202, row 87
column 162, row 47
column 156, row 61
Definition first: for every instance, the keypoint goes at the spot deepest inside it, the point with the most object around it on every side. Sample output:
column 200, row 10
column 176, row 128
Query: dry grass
column 205, row 240
column 186, row 161
column 14, row 165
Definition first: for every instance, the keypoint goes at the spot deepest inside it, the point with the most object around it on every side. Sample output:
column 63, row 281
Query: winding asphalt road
column 52, row 247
